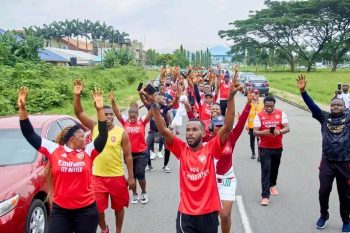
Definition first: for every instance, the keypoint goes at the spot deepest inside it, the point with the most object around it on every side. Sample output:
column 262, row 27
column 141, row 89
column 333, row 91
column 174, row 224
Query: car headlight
column 8, row 205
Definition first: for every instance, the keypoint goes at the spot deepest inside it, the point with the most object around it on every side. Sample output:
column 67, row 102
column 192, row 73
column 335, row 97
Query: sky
column 159, row 24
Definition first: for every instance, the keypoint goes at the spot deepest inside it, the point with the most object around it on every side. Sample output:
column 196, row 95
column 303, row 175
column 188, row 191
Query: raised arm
column 236, row 132
column 101, row 139
column 78, row 108
column 158, row 119
column 315, row 110
column 115, row 107
column 225, row 130
column 128, row 159
column 218, row 84
column 26, row 127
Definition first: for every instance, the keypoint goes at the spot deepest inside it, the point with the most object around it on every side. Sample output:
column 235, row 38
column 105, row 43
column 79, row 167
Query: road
column 295, row 210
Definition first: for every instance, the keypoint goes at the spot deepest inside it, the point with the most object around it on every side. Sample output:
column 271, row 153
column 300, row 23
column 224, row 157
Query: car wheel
column 37, row 218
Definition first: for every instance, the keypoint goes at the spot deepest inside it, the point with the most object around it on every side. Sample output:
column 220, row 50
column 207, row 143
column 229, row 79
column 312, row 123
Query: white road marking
column 243, row 214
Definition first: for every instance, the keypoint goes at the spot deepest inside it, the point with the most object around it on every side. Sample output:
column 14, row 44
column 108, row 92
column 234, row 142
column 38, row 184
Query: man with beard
column 199, row 198
column 108, row 177
column 335, row 130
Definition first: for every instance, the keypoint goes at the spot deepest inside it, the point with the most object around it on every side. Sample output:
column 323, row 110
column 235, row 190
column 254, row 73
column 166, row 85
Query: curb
column 292, row 103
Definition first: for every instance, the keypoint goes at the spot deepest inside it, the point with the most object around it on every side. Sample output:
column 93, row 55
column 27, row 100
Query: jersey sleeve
column 91, row 151
column 284, row 118
column 214, row 147
column 47, row 147
column 144, row 120
column 257, row 122
column 177, row 148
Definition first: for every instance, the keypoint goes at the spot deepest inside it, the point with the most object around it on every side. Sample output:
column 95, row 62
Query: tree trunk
column 309, row 65
column 334, row 64
column 291, row 63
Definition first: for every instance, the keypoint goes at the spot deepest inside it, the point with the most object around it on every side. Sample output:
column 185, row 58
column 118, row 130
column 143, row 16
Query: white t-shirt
column 346, row 98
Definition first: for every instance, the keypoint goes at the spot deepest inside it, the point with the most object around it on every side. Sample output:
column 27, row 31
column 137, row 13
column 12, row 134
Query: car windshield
column 14, row 148
column 257, row 79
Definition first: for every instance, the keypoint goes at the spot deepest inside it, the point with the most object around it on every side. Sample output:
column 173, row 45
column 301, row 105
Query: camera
column 339, row 89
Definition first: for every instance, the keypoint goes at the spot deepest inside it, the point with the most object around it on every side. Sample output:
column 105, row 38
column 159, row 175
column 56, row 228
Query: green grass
column 321, row 83
column 152, row 74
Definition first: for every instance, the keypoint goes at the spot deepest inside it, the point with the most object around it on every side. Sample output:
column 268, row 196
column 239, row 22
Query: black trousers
column 150, row 145
column 83, row 220
column 270, row 161
column 252, row 141
column 341, row 172
column 205, row 223
column 223, row 106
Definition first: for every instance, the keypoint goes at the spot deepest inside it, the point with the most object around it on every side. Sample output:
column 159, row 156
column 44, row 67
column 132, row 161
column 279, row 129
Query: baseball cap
column 218, row 121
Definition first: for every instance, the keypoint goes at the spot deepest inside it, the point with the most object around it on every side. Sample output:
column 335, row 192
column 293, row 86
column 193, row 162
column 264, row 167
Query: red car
column 23, row 206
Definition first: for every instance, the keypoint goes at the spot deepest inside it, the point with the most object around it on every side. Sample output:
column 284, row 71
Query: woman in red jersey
column 73, row 201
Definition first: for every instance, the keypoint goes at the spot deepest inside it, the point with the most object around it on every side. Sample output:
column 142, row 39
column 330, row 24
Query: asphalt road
column 295, row 210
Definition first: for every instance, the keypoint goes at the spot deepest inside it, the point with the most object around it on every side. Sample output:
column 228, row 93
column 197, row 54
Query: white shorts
column 227, row 188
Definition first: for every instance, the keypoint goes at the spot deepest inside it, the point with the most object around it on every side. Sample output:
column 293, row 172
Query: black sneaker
column 253, row 156
column 321, row 223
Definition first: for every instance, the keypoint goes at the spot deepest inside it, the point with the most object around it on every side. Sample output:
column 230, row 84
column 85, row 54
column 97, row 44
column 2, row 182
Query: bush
column 51, row 87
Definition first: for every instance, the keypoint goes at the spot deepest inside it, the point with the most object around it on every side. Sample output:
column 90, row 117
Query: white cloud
column 163, row 24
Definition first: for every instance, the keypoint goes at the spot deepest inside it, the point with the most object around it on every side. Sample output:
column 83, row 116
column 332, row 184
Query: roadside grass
column 321, row 83
column 123, row 97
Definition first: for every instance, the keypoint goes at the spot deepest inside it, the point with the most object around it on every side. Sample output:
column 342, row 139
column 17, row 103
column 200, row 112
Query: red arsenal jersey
column 224, row 90
column 199, row 192
column 71, row 171
column 136, row 132
column 264, row 121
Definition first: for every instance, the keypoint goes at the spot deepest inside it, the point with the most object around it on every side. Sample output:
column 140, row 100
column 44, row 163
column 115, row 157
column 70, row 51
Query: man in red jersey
column 199, row 198
column 270, row 124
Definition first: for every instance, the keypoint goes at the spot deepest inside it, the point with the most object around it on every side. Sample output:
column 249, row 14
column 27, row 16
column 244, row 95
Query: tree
column 116, row 57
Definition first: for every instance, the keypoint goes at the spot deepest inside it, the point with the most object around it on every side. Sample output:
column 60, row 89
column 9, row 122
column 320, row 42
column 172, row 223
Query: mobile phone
column 149, row 89
column 272, row 130
column 139, row 86
column 339, row 86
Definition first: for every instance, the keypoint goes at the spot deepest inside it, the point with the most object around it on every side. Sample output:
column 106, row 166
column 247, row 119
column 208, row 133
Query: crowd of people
column 207, row 98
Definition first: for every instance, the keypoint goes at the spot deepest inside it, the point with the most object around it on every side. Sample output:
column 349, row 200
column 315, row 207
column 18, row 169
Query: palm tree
column 86, row 26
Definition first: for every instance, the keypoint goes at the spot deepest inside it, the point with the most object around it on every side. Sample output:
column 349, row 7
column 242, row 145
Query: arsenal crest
column 80, row 155
column 202, row 158
column 113, row 138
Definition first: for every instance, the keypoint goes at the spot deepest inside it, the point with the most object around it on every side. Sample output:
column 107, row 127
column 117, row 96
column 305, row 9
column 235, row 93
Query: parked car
column 23, row 193
column 258, row 82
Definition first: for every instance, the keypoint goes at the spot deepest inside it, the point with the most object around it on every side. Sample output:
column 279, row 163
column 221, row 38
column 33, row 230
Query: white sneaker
column 160, row 155
column 166, row 169
column 135, row 199
column 153, row 155
column 144, row 198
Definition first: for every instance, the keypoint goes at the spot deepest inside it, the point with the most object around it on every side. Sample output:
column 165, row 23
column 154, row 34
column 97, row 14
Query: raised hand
column 111, row 96
column 97, row 95
column 250, row 96
column 301, row 82
column 150, row 98
column 22, row 96
column 78, row 86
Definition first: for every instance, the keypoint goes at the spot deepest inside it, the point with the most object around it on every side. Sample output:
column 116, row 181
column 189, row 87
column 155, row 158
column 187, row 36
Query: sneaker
column 144, row 198
column 274, row 191
column 253, row 156
column 160, row 155
column 149, row 168
column 321, row 223
column 105, row 231
column 135, row 198
column 264, row 202
column 346, row 228
column 153, row 155
column 166, row 169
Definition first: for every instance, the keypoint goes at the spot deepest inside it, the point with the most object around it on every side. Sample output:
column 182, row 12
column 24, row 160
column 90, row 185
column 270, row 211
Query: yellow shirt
column 256, row 108
column 109, row 162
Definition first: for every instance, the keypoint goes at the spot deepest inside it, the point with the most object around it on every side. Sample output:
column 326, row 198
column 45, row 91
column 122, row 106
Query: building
column 219, row 55
column 71, row 43
column 137, row 49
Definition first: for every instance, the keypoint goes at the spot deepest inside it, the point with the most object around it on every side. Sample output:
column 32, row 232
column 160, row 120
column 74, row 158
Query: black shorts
column 140, row 162
column 205, row 223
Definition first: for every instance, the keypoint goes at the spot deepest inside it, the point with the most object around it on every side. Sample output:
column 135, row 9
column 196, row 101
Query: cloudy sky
column 160, row 24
